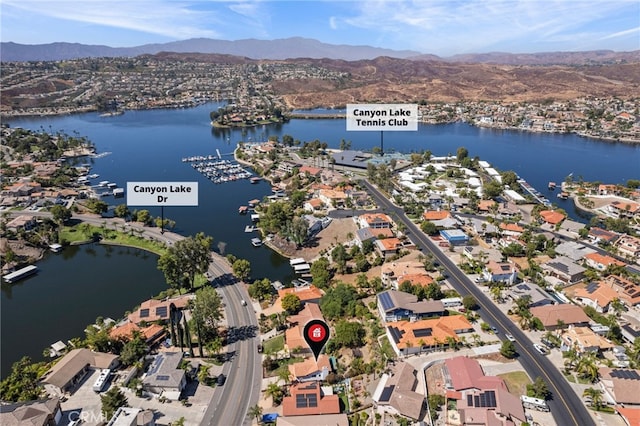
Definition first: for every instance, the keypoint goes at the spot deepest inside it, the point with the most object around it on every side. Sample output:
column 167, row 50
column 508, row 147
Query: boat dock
column 534, row 193
column 218, row 171
column 256, row 242
column 20, row 274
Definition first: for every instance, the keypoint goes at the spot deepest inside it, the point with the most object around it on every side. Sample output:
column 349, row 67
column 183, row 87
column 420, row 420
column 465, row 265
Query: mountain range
column 297, row 47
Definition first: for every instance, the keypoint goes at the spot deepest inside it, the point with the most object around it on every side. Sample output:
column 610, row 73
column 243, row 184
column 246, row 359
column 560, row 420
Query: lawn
column 273, row 345
column 516, row 382
column 84, row 232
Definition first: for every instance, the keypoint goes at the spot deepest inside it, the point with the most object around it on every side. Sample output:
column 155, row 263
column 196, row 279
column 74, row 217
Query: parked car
column 494, row 329
column 541, row 349
column 220, row 380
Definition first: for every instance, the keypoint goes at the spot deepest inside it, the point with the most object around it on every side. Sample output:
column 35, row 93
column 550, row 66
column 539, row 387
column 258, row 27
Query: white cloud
column 622, row 34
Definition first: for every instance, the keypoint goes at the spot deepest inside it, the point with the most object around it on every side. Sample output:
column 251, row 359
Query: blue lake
column 149, row 146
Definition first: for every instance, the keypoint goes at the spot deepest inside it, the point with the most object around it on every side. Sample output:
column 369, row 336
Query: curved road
column 241, row 390
column 566, row 406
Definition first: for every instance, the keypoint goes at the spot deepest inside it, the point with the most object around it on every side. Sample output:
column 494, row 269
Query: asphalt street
column 565, row 405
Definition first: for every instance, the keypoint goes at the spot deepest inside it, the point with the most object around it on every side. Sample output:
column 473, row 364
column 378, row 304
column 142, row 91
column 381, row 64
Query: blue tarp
column 269, row 418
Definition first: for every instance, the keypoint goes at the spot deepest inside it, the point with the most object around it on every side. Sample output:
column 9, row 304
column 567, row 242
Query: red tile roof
column 296, row 404
column 551, row 216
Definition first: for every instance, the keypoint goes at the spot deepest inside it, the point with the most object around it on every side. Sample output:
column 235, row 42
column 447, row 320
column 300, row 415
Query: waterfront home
column 309, row 398
column 164, row 376
column 555, row 316
column 623, row 209
column 125, row 332
column 597, row 235
column 158, row 310
column 43, row 412
column 308, row 294
column 69, row 371
column 396, row 305
column 396, row 393
column 332, row 197
column 25, row 222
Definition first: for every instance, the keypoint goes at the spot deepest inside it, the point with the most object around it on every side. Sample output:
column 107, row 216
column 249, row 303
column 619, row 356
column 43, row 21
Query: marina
column 218, row 171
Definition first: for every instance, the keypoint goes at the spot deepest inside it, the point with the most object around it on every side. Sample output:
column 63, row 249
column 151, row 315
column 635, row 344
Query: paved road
column 231, row 401
column 566, row 406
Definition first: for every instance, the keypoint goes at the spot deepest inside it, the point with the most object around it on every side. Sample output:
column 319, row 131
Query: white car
column 541, row 349
column 510, row 337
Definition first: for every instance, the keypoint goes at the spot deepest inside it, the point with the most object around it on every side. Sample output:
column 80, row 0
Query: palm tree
column 275, row 392
column 255, row 411
column 285, row 375
column 587, row 367
column 596, row 397
column 421, row 342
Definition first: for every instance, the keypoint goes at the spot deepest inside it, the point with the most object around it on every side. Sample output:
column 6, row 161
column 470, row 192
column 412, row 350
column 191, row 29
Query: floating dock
column 216, row 170
column 20, row 274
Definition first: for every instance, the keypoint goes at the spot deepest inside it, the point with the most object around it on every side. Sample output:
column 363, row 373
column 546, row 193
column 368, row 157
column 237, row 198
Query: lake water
column 149, row 146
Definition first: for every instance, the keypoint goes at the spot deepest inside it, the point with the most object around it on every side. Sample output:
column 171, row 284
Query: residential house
column 624, row 209
column 294, row 339
column 375, row 221
column 151, row 333
column 308, row 294
column 621, row 385
column 511, row 229
column 629, row 246
column 389, row 247
column 485, row 206
column 627, row 290
column 311, row 370
column 537, row 296
column 288, row 166
column 481, row 254
column 598, row 295
column 311, row 171
column 564, row 269
column 44, row 412
column 607, row 189
column 440, row 218
column 396, row 393
column 332, row 197
column 397, row 305
column 597, row 235
column 601, row 262
column 500, row 272
column 551, row 217
column 553, row 316
column 413, row 337
column 313, row 205
column 24, row 222
column 454, row 236
column 480, row 399
column 158, row 310
column 165, row 377
column 69, row 371
column 308, row 398
column 583, row 339
column 574, row 250
column 391, row 271
column 363, row 235
column 127, row 416
column 420, row 279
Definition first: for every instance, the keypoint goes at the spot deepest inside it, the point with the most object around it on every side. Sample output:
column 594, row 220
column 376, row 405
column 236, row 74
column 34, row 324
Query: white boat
column 256, row 242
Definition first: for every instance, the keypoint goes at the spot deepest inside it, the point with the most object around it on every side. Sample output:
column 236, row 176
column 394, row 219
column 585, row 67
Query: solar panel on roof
column 625, row 374
column 386, row 393
column 487, row 399
column 422, row 332
column 144, row 313
column 591, row 287
column 396, row 334
column 301, row 401
column 161, row 311
column 385, row 301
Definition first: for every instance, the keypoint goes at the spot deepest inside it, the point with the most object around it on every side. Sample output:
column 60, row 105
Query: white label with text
column 382, row 117
column 162, row 193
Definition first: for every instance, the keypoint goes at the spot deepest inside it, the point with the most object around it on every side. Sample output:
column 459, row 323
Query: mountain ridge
column 298, row 47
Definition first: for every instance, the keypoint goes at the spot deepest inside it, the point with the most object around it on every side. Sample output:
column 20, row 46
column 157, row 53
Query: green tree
column 469, row 302
column 60, row 213
column 121, row 210
column 261, row 289
column 111, row 400
column 256, row 411
column 538, row 389
column 22, row 383
column 291, row 303
column 595, row 395
column 96, row 206
column 462, row 153
column 275, row 392
column 321, row 272
column 349, row 334
column 428, row 227
column 241, row 269
column 133, row 350
column 206, row 311
column 508, row 349
column 186, row 258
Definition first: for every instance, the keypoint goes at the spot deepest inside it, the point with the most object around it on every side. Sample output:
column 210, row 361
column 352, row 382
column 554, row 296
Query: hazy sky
column 441, row 27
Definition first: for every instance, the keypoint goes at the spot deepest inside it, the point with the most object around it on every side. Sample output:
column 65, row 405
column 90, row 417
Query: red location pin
column 316, row 334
